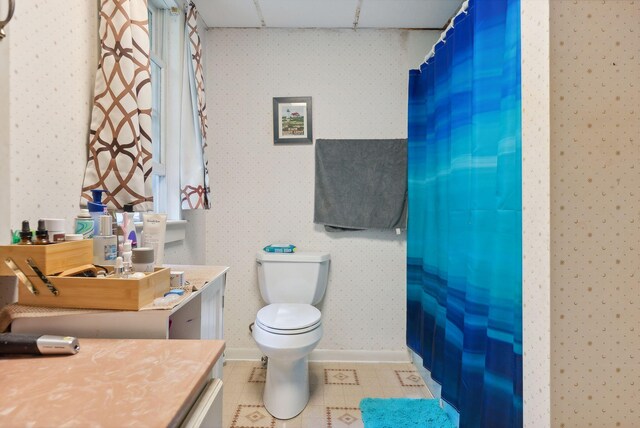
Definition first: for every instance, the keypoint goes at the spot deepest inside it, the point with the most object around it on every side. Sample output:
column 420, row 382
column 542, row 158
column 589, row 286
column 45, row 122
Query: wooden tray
column 97, row 293
column 50, row 259
column 36, row 266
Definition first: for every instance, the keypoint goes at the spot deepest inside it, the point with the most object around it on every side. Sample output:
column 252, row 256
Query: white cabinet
column 207, row 409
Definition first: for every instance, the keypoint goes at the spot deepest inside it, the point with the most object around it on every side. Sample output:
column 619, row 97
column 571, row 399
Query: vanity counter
column 109, row 382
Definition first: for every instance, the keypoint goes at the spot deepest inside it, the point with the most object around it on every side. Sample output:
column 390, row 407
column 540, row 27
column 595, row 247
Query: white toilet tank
column 299, row 277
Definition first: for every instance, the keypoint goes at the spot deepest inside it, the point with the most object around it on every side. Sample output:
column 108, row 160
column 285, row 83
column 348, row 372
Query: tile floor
column 336, row 391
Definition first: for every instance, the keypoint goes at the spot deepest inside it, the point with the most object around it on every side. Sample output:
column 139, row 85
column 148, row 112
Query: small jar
column 142, row 259
column 55, row 228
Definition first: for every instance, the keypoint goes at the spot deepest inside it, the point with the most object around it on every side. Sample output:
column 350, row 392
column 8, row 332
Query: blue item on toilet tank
column 280, row 248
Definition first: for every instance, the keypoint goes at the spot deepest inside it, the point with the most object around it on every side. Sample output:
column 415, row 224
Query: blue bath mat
column 403, row 412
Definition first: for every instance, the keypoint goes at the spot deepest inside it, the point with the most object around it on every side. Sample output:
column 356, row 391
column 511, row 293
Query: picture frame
column 292, row 120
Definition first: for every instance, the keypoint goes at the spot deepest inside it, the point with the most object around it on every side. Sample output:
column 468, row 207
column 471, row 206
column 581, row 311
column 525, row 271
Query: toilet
column 289, row 327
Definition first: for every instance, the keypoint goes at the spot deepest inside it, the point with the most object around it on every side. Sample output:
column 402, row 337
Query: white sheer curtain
column 194, row 175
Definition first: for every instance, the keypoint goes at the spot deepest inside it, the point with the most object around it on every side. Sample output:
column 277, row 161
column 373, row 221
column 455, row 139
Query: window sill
column 176, row 231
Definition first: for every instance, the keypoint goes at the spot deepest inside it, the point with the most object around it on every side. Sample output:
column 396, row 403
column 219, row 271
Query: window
column 158, row 65
column 166, row 31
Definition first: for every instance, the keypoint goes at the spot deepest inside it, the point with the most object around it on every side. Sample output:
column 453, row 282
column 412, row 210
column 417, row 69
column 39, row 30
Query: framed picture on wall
column 292, row 120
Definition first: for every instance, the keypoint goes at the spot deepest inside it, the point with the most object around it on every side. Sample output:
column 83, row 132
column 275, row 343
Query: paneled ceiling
column 422, row 14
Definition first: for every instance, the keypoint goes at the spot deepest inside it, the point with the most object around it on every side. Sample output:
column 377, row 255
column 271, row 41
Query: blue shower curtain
column 464, row 247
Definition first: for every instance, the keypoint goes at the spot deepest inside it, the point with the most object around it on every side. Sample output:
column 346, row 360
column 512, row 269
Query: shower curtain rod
column 463, row 9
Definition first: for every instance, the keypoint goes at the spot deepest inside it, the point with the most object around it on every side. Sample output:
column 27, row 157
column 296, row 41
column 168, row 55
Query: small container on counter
column 84, row 224
column 142, row 259
column 55, row 228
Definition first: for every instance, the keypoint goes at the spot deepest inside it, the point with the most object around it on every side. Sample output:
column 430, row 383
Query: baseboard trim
column 329, row 355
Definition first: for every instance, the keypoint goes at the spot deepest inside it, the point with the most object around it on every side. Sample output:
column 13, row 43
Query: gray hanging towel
column 361, row 184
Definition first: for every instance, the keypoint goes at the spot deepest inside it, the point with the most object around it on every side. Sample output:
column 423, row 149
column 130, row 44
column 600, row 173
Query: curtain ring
column 12, row 7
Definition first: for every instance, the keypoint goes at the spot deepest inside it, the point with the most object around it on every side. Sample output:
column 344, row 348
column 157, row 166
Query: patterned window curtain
column 120, row 134
column 194, row 174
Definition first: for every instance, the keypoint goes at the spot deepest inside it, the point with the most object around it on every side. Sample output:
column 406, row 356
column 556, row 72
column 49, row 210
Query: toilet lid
column 288, row 316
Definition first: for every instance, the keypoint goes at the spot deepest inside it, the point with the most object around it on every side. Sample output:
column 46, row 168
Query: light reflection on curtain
column 464, row 247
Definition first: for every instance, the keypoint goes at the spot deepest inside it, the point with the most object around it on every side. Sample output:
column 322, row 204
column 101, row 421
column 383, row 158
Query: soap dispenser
column 96, row 208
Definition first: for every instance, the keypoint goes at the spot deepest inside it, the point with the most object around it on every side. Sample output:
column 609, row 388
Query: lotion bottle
column 105, row 245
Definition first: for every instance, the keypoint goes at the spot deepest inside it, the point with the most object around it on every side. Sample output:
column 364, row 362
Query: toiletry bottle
column 96, row 209
column 42, row 234
column 105, row 245
column 118, row 268
column 128, row 227
column 84, row 224
column 126, row 257
column 25, row 234
column 154, row 229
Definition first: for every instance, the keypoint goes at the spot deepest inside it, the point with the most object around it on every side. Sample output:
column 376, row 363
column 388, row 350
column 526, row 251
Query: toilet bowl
column 287, row 333
column 289, row 327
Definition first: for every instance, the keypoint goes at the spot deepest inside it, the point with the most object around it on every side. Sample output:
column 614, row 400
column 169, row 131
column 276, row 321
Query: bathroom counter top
column 109, row 382
column 199, row 275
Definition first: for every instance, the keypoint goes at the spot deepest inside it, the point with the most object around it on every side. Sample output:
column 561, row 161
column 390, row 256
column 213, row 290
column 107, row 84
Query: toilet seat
column 288, row 318
column 288, row 332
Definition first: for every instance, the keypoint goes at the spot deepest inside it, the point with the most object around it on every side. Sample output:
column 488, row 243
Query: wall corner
column 536, row 281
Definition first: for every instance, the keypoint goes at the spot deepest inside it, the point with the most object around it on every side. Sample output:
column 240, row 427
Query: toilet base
column 286, row 391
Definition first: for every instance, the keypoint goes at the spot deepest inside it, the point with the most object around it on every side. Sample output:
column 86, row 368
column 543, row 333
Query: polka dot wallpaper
column 4, row 140
column 595, row 205
column 52, row 65
column 535, row 212
column 263, row 193
column 586, row 240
